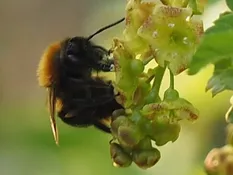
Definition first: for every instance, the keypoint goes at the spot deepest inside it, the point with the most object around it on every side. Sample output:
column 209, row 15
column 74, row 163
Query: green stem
column 172, row 81
column 154, row 94
column 159, row 72
column 146, row 61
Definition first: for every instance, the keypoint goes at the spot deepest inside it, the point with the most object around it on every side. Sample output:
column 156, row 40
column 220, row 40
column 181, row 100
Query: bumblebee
column 74, row 94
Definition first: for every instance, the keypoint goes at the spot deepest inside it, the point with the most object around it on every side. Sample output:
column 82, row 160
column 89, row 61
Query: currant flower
column 136, row 13
column 173, row 35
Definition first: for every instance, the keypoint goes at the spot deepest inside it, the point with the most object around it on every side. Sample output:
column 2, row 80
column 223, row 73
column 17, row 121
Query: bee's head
column 81, row 54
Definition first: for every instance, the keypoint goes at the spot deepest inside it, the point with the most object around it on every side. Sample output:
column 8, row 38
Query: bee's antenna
column 106, row 27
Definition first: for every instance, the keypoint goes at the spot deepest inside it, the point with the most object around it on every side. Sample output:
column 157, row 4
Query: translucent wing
column 52, row 111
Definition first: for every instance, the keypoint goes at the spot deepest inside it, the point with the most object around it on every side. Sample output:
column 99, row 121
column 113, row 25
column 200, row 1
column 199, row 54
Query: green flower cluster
column 168, row 35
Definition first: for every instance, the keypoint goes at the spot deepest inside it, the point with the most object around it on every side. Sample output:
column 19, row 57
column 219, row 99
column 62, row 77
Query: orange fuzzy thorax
column 46, row 69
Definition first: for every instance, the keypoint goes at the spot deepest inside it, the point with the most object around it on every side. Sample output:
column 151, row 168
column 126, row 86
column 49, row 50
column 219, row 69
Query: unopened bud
column 121, row 120
column 146, row 158
column 219, row 161
column 117, row 113
column 129, row 135
column 163, row 132
column 119, row 156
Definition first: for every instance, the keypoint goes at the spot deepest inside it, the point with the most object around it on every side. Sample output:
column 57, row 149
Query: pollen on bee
column 106, row 121
column 45, row 71
column 59, row 104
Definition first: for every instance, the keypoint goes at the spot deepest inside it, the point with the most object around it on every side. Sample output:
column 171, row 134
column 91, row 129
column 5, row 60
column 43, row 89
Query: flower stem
column 159, row 72
column 172, row 81
column 146, row 61
column 154, row 94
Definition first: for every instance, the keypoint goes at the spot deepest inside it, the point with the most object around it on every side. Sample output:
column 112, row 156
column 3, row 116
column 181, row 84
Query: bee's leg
column 74, row 118
column 107, row 65
column 82, row 118
column 102, row 126
column 110, row 51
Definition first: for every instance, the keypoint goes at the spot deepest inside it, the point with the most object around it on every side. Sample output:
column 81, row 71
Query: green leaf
column 193, row 5
column 197, row 6
column 222, row 78
column 214, row 47
column 230, row 4
column 224, row 23
column 216, row 44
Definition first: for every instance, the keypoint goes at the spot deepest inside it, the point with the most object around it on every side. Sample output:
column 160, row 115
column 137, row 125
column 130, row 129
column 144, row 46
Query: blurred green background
column 26, row 142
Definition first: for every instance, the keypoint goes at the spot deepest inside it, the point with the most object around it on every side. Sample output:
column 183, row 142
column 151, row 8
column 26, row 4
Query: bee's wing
column 52, row 111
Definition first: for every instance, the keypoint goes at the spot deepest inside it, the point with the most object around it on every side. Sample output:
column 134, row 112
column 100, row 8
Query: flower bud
column 117, row 113
column 171, row 94
column 119, row 156
column 120, row 120
column 146, row 158
column 219, row 161
column 125, row 131
column 129, row 135
column 163, row 132
column 137, row 67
